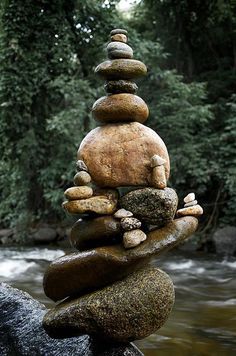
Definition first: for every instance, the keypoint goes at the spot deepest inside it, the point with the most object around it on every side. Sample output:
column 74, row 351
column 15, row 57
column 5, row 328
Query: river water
column 203, row 320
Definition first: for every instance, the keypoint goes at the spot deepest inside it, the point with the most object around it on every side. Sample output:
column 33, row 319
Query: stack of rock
column 111, row 291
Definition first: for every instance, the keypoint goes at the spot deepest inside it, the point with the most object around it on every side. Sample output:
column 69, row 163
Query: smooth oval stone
column 118, row 30
column 120, row 86
column 120, row 108
column 150, row 205
column 119, row 154
column 82, row 178
column 130, row 224
column 75, row 193
column 127, row 310
column 98, row 204
column 119, row 50
column 88, row 233
column 190, row 197
column 121, row 69
column 133, row 238
column 191, row 203
column 122, row 213
column 81, row 272
column 119, row 37
column 194, row 210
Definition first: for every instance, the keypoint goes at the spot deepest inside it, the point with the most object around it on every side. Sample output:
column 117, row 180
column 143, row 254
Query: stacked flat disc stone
column 126, row 216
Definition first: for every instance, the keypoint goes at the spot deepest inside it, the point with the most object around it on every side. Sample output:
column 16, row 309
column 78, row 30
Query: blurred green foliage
column 48, row 51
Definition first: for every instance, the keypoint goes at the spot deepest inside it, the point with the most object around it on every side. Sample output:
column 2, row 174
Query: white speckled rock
column 128, row 224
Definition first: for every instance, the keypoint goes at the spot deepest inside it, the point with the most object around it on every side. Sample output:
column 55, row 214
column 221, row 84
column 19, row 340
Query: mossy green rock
column 127, row 310
column 81, row 272
column 150, row 205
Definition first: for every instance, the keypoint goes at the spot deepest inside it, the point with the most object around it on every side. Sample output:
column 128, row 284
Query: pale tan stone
column 123, row 107
column 190, row 197
column 120, row 37
column 122, row 213
column 82, row 178
column 99, row 205
column 191, row 203
column 194, row 210
column 119, row 154
column 133, row 238
column 157, row 161
column 82, row 192
column 159, row 177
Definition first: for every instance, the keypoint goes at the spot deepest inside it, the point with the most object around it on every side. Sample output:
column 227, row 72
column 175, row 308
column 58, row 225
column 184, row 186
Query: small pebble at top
column 118, row 31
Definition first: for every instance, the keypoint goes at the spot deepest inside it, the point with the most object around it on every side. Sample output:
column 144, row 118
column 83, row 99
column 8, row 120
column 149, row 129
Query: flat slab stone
column 127, row 310
column 119, row 154
column 99, row 204
column 81, row 272
column 22, row 333
column 120, row 108
column 150, row 205
column 121, row 69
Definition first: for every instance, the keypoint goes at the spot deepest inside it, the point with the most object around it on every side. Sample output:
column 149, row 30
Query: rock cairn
column 111, row 291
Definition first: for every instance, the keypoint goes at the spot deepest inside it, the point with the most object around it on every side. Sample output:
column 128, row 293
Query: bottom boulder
column 127, row 310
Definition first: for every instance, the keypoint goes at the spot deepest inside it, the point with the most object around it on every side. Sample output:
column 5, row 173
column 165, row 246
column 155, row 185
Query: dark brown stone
column 79, row 273
column 118, row 30
column 120, row 108
column 121, row 86
column 121, row 69
column 150, row 205
column 127, row 310
column 89, row 233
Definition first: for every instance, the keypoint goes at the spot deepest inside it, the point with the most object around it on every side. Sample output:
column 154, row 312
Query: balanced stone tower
column 127, row 217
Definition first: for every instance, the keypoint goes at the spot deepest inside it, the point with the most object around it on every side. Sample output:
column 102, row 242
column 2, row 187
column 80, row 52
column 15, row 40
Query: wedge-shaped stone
column 90, row 233
column 150, row 205
column 121, row 69
column 79, row 273
column 119, row 154
column 99, row 205
column 120, row 108
column 127, row 310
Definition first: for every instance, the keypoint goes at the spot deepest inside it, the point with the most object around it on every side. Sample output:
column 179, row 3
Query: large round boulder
column 119, row 154
column 127, row 310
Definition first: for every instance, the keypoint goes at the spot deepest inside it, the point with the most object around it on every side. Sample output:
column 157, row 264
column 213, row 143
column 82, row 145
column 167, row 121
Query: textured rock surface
column 99, row 205
column 22, row 333
column 121, row 69
column 120, row 86
column 139, row 305
column 130, row 224
column 75, row 274
column 89, row 233
column 120, row 108
column 82, row 192
column 154, row 206
column 128, row 145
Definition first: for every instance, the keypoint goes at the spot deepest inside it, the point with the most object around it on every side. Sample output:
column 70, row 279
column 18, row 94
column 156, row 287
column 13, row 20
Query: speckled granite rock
column 153, row 206
column 22, row 333
column 80, row 273
column 139, row 305
column 89, row 233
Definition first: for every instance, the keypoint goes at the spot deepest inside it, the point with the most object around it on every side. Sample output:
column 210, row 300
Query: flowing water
column 203, row 320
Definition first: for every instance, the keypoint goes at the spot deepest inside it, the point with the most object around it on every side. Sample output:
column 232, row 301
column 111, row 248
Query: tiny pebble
column 123, row 213
column 119, row 37
column 82, row 178
column 81, row 166
column 157, row 161
column 118, row 30
column 194, row 210
column 191, row 203
column 190, row 197
column 128, row 224
column 133, row 238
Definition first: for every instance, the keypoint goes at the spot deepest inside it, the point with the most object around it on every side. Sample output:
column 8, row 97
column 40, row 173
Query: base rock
column 127, row 310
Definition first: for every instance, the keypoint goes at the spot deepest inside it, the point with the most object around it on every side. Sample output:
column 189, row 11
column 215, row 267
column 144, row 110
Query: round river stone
column 121, row 86
column 89, row 233
column 150, row 205
column 127, row 310
column 119, row 154
column 119, row 50
column 121, row 69
column 119, row 108
column 81, row 272
column 118, row 30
